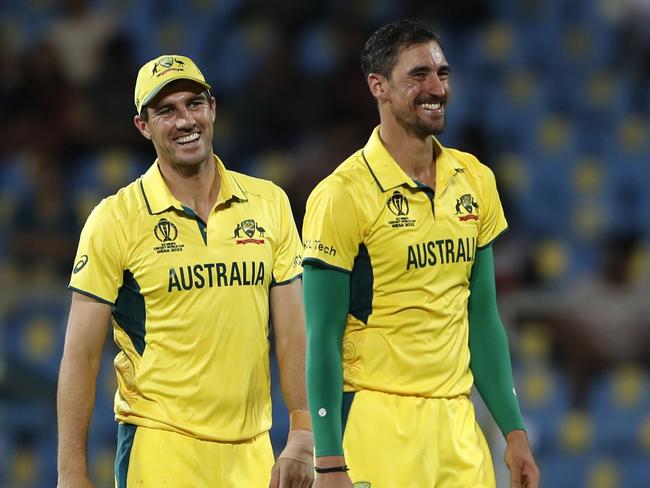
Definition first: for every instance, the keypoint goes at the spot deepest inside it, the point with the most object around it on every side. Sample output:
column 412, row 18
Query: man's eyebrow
column 201, row 96
column 159, row 108
column 419, row 69
column 427, row 69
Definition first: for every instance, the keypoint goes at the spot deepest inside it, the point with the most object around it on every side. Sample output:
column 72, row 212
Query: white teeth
column 189, row 138
column 431, row 106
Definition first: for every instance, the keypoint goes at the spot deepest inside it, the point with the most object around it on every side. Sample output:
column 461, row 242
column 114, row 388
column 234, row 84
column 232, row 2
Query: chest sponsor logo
column 398, row 205
column 249, row 232
column 361, row 484
column 466, row 208
column 166, row 232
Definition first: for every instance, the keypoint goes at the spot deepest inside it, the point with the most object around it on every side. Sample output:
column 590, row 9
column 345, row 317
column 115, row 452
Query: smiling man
column 187, row 263
column 400, row 295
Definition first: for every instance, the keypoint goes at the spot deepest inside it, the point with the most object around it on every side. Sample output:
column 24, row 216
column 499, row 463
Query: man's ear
column 142, row 126
column 377, row 85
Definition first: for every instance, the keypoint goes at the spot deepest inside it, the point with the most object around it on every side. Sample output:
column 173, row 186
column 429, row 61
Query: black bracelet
column 333, row 469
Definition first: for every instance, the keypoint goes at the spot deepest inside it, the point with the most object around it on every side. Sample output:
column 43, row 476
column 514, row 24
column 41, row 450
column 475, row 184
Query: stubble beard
column 189, row 166
column 420, row 128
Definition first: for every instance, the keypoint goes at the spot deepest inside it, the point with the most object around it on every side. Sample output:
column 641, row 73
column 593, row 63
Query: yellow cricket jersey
column 409, row 252
column 191, row 301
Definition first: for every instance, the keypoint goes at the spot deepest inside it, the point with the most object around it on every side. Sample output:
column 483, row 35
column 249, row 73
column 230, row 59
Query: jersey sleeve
column 331, row 228
column 287, row 263
column 98, row 269
column 493, row 221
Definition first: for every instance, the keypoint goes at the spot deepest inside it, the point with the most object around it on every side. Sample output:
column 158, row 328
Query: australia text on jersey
column 216, row 274
column 441, row 251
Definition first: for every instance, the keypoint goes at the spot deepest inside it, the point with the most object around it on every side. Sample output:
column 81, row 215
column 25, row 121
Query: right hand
column 332, row 480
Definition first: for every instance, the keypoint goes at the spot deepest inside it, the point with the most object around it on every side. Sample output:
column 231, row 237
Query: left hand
column 295, row 465
column 519, row 459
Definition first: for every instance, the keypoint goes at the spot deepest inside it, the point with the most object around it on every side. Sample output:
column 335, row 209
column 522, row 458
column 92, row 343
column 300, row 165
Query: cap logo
column 167, row 62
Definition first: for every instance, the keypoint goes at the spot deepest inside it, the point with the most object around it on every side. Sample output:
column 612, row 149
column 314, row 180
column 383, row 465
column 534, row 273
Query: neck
column 416, row 155
column 196, row 186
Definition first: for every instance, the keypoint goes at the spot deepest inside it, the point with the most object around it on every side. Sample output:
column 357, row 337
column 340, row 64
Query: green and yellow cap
column 157, row 73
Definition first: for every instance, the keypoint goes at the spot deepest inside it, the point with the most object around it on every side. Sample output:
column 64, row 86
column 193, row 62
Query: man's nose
column 185, row 119
column 436, row 86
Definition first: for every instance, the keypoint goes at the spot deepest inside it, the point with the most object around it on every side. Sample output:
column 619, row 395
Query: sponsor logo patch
column 80, row 264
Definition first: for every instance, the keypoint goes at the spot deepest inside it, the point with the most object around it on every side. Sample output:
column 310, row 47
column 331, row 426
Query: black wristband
column 333, row 469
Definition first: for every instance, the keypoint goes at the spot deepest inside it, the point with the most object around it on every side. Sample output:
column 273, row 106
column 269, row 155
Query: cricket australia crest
column 253, row 233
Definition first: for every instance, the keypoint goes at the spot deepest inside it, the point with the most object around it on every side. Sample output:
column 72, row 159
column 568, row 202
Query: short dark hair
column 379, row 54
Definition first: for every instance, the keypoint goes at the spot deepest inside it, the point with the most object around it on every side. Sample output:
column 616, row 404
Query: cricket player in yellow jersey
column 187, row 263
column 400, row 295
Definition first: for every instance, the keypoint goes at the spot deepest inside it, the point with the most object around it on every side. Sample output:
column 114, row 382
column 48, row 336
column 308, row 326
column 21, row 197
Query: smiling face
column 416, row 92
column 180, row 124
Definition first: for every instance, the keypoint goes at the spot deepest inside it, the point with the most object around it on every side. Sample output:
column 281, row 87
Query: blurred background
column 553, row 95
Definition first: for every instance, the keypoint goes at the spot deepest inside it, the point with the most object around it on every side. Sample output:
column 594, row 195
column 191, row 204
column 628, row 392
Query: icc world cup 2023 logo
column 165, row 231
column 398, row 204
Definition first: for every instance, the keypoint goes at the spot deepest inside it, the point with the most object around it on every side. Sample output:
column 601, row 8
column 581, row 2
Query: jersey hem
column 88, row 294
column 201, row 436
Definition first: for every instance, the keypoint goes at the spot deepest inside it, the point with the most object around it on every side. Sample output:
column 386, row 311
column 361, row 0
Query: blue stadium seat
column 562, row 471
column 544, row 400
column 635, row 471
column 34, row 335
column 30, row 430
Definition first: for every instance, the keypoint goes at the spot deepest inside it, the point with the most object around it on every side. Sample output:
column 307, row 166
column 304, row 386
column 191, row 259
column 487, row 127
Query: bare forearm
column 290, row 352
column 75, row 402
column 288, row 317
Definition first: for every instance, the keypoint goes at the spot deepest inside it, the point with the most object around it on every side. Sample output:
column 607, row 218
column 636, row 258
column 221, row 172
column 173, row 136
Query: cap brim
column 162, row 85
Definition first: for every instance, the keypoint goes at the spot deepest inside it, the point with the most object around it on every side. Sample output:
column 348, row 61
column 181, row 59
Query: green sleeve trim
column 488, row 345
column 319, row 263
column 327, row 301
column 489, row 243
